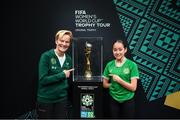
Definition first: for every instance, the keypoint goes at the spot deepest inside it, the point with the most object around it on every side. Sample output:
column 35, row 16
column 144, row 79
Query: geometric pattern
column 152, row 29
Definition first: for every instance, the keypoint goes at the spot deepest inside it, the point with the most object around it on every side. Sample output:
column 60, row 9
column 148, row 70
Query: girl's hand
column 114, row 77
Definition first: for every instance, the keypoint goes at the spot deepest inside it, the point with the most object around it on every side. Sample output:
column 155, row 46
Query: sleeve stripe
column 105, row 77
column 135, row 77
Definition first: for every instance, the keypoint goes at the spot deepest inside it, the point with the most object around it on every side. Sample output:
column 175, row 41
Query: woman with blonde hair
column 55, row 68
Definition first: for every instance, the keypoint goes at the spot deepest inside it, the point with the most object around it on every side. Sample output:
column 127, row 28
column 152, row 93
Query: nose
column 118, row 52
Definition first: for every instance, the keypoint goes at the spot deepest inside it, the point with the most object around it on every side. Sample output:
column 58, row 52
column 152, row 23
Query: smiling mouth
column 118, row 55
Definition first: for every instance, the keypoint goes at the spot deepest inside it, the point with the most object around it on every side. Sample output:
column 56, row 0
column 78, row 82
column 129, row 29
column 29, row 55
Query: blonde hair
column 61, row 33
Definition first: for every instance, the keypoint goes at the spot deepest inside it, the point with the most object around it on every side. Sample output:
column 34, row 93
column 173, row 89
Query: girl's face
column 119, row 51
column 62, row 44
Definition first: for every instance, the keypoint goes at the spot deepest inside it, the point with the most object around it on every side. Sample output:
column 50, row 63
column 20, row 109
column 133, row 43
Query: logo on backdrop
column 88, row 22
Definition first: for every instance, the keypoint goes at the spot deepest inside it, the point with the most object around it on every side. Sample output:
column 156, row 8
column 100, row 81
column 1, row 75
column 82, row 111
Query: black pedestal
column 87, row 99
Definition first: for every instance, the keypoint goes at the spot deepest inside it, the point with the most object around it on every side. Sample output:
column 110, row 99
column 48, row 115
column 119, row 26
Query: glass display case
column 87, row 55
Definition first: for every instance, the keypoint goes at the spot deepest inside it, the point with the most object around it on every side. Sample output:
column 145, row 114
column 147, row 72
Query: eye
column 61, row 40
column 114, row 49
column 67, row 42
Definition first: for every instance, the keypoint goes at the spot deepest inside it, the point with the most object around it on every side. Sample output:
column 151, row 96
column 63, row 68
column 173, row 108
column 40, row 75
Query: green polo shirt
column 126, row 71
column 53, row 83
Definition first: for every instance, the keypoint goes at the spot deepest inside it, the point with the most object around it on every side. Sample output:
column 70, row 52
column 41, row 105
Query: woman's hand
column 68, row 72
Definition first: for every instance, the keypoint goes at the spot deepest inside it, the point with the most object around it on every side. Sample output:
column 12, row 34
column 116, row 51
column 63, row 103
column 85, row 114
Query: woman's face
column 62, row 44
column 119, row 50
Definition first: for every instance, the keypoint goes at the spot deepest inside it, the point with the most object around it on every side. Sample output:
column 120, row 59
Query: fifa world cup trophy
column 88, row 72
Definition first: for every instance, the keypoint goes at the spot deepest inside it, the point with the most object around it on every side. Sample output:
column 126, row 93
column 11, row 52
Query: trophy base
column 88, row 79
column 88, row 76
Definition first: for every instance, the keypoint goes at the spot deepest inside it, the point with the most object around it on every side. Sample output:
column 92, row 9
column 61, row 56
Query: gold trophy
column 88, row 72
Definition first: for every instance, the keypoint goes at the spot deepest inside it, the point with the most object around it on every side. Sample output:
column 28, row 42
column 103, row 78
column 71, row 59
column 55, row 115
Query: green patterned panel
column 130, row 6
column 153, row 34
column 126, row 23
column 145, row 80
column 167, row 40
column 168, row 10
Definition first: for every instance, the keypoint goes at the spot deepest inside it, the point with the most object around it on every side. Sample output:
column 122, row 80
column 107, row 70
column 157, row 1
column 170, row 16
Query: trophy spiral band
column 88, row 72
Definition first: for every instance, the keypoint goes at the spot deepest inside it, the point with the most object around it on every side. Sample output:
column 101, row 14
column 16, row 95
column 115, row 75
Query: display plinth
column 87, row 77
column 87, row 99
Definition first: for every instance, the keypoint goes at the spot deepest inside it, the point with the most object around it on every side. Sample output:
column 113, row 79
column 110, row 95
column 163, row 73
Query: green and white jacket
column 53, row 84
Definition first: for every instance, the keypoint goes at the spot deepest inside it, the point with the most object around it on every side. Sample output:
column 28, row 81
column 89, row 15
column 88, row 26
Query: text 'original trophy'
column 88, row 72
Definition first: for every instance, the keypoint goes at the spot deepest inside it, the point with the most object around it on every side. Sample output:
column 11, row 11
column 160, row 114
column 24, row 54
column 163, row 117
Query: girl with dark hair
column 120, row 76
